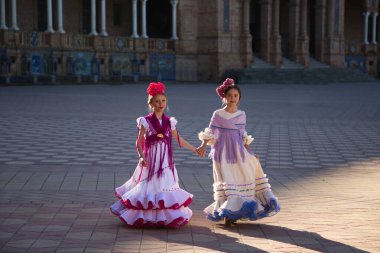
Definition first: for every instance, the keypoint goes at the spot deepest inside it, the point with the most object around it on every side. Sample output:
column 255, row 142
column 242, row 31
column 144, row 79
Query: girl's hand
column 247, row 147
column 201, row 150
column 143, row 161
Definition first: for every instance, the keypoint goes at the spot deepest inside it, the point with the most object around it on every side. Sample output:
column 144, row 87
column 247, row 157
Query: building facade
column 184, row 40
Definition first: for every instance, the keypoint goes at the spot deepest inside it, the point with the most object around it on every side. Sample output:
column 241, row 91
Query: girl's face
column 158, row 103
column 232, row 97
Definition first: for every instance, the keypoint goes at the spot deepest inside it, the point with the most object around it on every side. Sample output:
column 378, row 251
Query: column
column 246, row 10
column 3, row 25
column 60, row 16
column 174, row 23
column 49, row 17
column 276, row 50
column 103, row 6
column 144, row 35
column 14, row 16
column 276, row 18
column 374, row 28
column 303, row 17
column 93, row 18
column 320, row 30
column 366, row 16
column 134, row 7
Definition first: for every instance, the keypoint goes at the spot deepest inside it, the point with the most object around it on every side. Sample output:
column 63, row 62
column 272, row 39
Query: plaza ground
column 64, row 148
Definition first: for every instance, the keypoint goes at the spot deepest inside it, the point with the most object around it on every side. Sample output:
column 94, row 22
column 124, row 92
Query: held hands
column 143, row 161
column 201, row 150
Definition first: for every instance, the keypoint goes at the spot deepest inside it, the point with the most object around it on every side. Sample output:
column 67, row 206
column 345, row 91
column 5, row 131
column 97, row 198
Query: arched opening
column 254, row 26
column 41, row 16
column 159, row 19
column 311, row 26
column 86, row 16
column 284, row 27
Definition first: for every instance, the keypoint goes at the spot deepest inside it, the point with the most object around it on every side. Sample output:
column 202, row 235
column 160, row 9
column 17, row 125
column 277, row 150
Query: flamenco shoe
column 228, row 222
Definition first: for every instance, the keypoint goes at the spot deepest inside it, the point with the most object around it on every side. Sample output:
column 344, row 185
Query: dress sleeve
column 141, row 121
column 173, row 123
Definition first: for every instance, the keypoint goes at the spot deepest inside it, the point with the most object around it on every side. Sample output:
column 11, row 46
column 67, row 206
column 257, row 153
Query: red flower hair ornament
column 221, row 90
column 155, row 88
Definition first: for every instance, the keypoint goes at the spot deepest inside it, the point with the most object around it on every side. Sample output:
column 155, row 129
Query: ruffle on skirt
column 172, row 218
column 174, row 199
column 235, row 208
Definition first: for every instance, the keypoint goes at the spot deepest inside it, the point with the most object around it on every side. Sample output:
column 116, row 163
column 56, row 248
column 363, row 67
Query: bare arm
column 183, row 142
column 140, row 152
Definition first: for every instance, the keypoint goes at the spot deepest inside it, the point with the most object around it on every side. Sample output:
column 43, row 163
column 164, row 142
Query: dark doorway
column 254, row 26
column 41, row 15
column 159, row 19
column 86, row 18
column 312, row 30
column 284, row 27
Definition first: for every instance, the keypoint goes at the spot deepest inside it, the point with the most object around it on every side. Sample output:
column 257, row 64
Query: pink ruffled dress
column 152, row 196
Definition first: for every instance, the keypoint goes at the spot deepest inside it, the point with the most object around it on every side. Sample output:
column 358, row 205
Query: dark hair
column 233, row 87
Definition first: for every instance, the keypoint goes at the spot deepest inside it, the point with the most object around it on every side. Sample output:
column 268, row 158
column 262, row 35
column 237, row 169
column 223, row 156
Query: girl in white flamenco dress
column 241, row 189
column 152, row 196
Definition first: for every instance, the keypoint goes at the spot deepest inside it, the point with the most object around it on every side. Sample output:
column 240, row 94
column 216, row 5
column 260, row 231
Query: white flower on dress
column 207, row 135
column 247, row 139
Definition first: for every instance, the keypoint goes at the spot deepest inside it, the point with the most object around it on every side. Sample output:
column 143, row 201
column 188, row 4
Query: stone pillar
column 93, row 18
column 276, row 55
column 334, row 53
column 3, row 25
column 134, row 7
column 174, row 19
column 143, row 12
column 320, row 31
column 294, row 13
column 303, row 40
column 266, row 24
column 14, row 16
column 366, row 18
column 49, row 17
column 103, row 31
column 374, row 28
column 246, row 39
column 246, row 14
column 60, row 16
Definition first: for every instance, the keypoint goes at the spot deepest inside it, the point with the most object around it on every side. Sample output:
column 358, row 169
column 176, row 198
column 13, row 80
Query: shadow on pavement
column 294, row 238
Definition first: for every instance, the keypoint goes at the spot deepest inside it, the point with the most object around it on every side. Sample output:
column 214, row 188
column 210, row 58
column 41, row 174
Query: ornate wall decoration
column 163, row 66
column 80, row 63
column 34, row 39
column 120, row 44
column 356, row 62
column 121, row 65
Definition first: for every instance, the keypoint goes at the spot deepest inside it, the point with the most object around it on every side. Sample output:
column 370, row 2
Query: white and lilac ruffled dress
column 152, row 196
column 241, row 189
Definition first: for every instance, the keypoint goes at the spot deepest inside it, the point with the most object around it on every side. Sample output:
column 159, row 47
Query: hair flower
column 221, row 90
column 155, row 88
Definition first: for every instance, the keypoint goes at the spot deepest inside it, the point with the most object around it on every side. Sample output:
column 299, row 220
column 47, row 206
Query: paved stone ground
column 64, row 148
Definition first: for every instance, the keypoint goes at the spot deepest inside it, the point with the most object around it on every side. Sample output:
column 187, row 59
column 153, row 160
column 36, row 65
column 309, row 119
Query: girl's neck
column 159, row 115
column 230, row 109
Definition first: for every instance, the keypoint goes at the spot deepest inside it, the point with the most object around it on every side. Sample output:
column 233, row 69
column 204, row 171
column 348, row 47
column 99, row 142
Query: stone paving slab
column 64, row 148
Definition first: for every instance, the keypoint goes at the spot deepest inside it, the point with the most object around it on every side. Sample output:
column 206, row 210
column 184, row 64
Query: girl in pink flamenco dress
column 241, row 189
column 152, row 196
